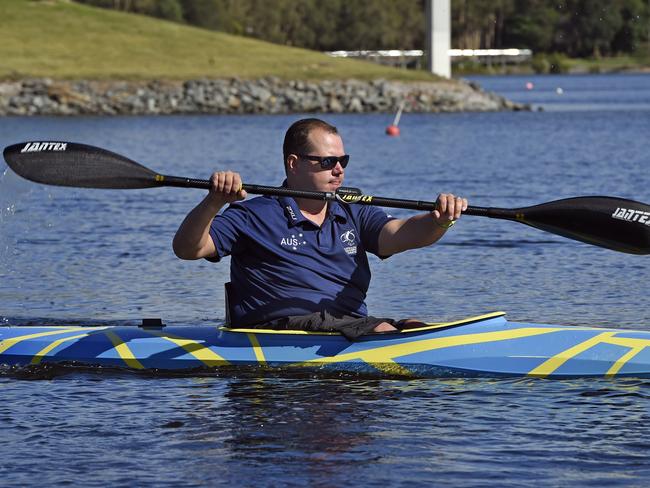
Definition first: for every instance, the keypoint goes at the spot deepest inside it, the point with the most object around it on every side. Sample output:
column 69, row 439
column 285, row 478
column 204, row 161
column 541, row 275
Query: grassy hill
column 64, row 40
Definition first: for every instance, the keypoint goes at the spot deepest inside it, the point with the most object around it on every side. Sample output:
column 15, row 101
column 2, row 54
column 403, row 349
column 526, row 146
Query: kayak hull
column 486, row 345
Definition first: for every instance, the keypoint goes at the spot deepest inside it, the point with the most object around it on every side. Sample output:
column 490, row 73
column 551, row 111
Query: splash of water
column 12, row 190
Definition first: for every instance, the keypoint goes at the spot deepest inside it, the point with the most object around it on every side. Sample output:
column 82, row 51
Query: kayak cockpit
column 429, row 327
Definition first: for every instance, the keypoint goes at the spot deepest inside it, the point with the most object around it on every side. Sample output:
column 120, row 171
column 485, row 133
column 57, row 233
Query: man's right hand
column 226, row 187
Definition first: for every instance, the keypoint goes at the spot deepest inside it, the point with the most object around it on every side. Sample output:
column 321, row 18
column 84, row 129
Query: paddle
column 614, row 223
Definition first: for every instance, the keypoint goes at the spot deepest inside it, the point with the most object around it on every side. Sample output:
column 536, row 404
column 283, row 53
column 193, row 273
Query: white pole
column 398, row 115
column 438, row 36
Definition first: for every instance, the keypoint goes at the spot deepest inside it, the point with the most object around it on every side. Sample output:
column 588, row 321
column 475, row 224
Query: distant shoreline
column 44, row 96
column 570, row 66
column 573, row 72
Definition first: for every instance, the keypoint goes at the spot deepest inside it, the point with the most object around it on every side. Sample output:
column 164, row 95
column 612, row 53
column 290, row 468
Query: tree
column 533, row 25
column 167, row 9
column 201, row 13
column 589, row 27
column 573, row 27
column 635, row 28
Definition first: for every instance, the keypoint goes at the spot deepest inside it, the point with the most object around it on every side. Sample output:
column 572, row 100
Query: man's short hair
column 296, row 140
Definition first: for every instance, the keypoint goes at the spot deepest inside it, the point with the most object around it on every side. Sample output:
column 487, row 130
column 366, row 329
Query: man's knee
column 384, row 327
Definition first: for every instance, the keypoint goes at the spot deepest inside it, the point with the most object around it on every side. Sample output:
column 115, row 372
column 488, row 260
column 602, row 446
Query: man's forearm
column 192, row 239
column 404, row 234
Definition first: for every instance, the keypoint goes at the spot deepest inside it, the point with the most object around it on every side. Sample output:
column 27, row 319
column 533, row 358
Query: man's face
column 307, row 174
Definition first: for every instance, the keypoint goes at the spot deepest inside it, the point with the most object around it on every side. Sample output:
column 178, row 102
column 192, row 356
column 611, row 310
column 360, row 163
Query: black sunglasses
column 328, row 162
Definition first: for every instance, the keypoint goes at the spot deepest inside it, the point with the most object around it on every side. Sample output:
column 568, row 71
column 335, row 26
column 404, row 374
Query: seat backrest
column 227, row 287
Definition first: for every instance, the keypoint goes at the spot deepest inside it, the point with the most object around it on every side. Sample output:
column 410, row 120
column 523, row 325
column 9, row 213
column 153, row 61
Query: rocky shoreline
column 45, row 96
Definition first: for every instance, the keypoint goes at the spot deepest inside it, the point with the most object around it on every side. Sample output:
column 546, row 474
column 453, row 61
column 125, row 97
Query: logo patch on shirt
column 291, row 213
column 293, row 242
column 349, row 240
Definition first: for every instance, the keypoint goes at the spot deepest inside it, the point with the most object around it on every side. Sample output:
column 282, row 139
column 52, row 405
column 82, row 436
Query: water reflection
column 269, row 430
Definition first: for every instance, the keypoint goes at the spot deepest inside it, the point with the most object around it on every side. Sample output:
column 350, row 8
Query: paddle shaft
column 178, row 181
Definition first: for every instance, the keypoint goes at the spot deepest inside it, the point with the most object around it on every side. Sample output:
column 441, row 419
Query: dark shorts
column 350, row 327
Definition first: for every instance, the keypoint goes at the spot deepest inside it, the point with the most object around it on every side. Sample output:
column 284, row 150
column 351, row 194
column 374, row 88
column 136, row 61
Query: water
column 571, row 93
column 70, row 254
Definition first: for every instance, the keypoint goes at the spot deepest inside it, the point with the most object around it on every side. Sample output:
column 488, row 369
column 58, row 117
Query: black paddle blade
column 614, row 223
column 78, row 165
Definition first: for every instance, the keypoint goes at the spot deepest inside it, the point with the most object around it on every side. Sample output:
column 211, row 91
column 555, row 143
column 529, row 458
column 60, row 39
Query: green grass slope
column 64, row 40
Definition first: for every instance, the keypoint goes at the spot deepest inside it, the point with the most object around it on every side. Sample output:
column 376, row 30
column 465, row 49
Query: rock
column 334, row 105
column 9, row 89
column 260, row 93
column 266, row 95
column 355, row 105
column 38, row 101
column 234, row 102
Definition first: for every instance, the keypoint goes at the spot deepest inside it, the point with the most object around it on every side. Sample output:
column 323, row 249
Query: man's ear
column 291, row 164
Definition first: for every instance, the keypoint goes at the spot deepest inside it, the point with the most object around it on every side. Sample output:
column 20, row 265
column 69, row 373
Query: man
column 302, row 263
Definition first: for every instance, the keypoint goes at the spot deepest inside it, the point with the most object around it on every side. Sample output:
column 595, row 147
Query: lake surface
column 104, row 255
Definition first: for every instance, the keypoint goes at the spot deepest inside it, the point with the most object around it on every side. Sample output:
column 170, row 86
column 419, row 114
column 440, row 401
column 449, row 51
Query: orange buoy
column 392, row 130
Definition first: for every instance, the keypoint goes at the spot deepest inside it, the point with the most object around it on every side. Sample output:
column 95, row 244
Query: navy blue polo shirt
column 283, row 264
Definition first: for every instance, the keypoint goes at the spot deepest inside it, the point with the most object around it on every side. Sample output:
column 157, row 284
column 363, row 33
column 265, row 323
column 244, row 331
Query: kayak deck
column 486, row 345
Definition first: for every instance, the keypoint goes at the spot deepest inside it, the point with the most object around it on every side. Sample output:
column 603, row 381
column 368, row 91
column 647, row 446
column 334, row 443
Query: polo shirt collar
column 338, row 212
column 294, row 215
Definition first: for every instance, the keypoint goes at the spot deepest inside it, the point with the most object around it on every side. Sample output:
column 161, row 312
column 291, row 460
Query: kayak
column 485, row 345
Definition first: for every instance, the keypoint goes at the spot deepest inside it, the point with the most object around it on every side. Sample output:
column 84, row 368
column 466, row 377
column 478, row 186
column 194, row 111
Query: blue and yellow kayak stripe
column 482, row 345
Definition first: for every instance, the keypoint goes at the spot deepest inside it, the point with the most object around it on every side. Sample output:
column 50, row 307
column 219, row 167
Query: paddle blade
column 614, row 223
column 78, row 165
